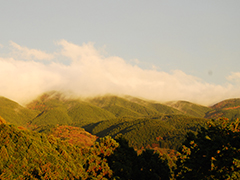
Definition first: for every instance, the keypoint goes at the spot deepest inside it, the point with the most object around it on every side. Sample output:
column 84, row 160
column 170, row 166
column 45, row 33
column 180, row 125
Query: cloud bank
column 26, row 73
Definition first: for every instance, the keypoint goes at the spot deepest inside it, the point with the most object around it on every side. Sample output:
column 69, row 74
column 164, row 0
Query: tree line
column 211, row 153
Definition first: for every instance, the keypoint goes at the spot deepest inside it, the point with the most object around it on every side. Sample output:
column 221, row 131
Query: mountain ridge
column 140, row 121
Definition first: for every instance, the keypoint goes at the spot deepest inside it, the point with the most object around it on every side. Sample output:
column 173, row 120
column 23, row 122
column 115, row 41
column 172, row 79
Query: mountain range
column 143, row 123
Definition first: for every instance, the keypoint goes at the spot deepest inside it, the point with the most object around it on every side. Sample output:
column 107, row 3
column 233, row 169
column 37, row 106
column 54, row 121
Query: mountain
column 14, row 113
column 142, row 122
column 139, row 121
column 189, row 108
column 229, row 108
column 121, row 107
column 165, row 131
column 56, row 109
column 128, row 106
column 161, row 108
column 227, row 104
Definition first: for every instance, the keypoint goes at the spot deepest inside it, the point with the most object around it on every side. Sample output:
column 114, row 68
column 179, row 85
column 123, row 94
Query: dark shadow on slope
column 89, row 127
column 119, row 129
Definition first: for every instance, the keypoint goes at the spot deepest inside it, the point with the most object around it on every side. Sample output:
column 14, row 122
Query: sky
column 163, row 50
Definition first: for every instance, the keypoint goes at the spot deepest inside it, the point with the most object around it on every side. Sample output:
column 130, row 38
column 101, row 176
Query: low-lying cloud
column 26, row 73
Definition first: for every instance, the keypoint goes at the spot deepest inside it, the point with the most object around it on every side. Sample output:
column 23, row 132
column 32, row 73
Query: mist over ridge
column 85, row 71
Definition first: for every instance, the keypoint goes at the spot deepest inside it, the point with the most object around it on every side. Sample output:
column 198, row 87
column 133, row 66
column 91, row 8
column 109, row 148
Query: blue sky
column 164, row 41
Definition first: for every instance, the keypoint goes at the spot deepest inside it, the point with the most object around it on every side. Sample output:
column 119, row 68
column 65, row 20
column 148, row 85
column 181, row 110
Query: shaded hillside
column 166, row 131
column 229, row 108
column 14, row 113
column 189, row 108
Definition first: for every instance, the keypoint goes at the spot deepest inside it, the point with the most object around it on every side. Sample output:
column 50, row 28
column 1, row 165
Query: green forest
column 112, row 137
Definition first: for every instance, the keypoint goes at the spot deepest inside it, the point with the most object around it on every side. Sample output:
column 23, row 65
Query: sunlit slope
column 189, row 108
column 29, row 155
column 73, row 135
column 14, row 113
column 229, row 108
column 121, row 107
column 166, row 131
column 81, row 111
column 132, row 107
column 160, row 107
column 57, row 109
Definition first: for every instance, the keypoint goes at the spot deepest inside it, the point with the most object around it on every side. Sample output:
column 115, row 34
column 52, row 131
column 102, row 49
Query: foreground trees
column 214, row 153
column 126, row 164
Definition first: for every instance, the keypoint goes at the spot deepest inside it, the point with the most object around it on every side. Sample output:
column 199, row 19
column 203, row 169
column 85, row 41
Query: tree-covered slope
column 73, row 135
column 56, row 109
column 166, row 131
column 29, row 155
column 229, row 108
column 14, row 113
column 129, row 106
column 228, row 103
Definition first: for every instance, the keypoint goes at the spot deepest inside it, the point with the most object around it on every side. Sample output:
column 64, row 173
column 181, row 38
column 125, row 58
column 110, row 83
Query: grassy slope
column 161, row 108
column 189, row 108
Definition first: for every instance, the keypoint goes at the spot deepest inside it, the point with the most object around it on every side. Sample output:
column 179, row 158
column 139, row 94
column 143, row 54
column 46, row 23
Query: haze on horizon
column 163, row 50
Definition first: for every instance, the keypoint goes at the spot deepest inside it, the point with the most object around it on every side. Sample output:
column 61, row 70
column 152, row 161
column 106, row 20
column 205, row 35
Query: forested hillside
column 28, row 155
column 229, row 108
column 14, row 113
column 61, row 154
column 109, row 137
column 142, row 122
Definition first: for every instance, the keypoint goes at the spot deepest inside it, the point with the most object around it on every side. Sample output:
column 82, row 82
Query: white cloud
column 90, row 73
column 29, row 54
column 234, row 77
column 1, row 46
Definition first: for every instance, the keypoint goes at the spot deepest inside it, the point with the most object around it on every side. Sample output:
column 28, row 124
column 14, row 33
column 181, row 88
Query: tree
column 214, row 153
column 151, row 165
column 123, row 160
column 126, row 164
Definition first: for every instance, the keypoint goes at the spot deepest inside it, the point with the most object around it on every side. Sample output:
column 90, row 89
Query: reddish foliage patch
column 74, row 135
